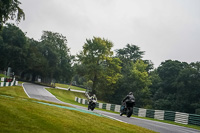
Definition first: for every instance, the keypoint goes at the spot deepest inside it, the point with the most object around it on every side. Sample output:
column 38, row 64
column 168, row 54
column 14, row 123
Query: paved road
column 39, row 92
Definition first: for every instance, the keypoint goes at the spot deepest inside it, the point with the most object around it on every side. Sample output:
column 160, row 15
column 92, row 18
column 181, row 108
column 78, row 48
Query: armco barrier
column 150, row 113
column 194, row 119
column 181, row 118
column 169, row 115
column 159, row 114
column 3, row 84
column 177, row 117
column 142, row 112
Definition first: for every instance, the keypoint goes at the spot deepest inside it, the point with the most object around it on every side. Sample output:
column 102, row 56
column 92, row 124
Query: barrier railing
column 178, row 117
column 2, row 84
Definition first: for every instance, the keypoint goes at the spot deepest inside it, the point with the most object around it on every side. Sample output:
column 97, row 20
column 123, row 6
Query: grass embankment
column 66, row 96
column 20, row 114
column 13, row 91
column 71, row 87
column 2, row 75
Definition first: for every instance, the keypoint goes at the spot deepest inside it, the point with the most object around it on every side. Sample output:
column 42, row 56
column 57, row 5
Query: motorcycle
column 92, row 104
column 127, row 109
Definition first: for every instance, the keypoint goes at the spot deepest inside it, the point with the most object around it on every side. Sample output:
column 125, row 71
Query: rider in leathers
column 129, row 100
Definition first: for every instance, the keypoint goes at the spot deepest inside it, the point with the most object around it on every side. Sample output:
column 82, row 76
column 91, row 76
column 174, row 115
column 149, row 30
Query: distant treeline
column 174, row 85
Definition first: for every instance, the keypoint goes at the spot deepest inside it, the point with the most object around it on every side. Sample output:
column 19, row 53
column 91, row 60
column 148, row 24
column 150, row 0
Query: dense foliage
column 47, row 59
column 100, row 67
column 174, row 85
column 9, row 9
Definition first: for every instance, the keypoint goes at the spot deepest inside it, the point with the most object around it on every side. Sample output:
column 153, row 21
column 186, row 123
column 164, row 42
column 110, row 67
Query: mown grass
column 13, row 91
column 20, row 114
column 66, row 96
column 2, row 75
column 71, row 87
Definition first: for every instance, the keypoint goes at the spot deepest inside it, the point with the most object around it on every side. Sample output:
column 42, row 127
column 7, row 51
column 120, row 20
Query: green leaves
column 178, row 86
column 101, row 68
column 49, row 58
column 9, row 9
column 55, row 50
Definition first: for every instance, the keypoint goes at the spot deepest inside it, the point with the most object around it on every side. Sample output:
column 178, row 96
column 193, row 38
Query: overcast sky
column 164, row 29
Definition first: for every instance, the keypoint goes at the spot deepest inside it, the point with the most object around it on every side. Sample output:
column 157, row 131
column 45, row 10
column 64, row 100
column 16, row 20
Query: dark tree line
column 48, row 58
column 176, row 86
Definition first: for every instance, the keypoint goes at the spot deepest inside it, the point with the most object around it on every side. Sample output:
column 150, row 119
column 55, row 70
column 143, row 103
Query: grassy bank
column 20, row 114
column 71, row 87
column 13, row 91
column 66, row 96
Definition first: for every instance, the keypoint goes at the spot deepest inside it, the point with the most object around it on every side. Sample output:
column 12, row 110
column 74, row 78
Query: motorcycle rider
column 91, row 100
column 128, row 101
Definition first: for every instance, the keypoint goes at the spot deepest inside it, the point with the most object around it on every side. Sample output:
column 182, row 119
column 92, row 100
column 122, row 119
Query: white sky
column 164, row 29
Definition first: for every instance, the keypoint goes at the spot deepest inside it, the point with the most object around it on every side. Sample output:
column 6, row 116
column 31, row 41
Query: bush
column 197, row 111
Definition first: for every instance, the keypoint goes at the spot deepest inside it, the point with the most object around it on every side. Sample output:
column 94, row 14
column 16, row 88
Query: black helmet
column 130, row 93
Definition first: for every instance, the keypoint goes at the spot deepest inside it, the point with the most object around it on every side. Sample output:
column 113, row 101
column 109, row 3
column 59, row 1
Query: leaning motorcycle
column 92, row 104
column 127, row 109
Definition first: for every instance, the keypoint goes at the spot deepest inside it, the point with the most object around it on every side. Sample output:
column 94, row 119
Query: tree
column 37, row 63
column 188, row 92
column 136, row 81
column 13, row 49
column 175, row 86
column 134, row 69
column 168, row 72
column 9, row 9
column 99, row 65
column 130, row 53
column 54, row 49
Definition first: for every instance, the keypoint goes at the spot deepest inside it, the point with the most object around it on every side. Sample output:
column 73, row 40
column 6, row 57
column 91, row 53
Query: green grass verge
column 14, row 91
column 67, row 86
column 20, row 82
column 2, row 75
column 66, row 96
column 20, row 114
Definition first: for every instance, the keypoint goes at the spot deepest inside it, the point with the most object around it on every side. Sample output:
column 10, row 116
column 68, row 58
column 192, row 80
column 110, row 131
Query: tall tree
column 188, row 92
column 136, row 81
column 130, row 53
column 99, row 65
column 9, row 9
column 37, row 63
column 168, row 89
column 55, row 50
column 133, row 71
column 14, row 48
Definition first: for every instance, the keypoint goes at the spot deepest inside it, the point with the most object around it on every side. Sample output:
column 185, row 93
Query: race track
column 40, row 93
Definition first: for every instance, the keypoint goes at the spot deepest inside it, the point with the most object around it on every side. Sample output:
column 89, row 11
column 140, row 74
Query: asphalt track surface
column 40, row 93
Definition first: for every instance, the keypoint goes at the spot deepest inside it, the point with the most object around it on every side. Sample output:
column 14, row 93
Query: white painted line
column 25, row 90
column 113, row 118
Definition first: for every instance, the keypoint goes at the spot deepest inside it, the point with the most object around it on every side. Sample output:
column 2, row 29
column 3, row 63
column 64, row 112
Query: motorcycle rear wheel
column 129, row 112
